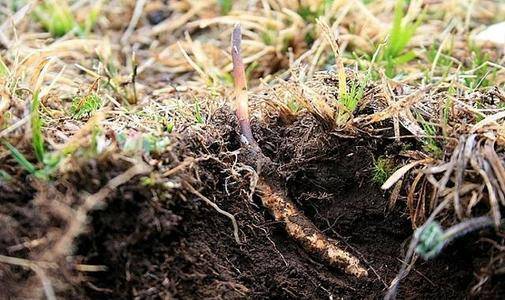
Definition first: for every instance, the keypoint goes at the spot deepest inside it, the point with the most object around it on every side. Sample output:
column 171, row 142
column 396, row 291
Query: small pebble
column 157, row 16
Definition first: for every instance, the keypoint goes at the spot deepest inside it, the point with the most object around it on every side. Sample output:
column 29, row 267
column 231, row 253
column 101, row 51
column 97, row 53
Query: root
column 218, row 209
column 77, row 224
column 301, row 229
column 36, row 267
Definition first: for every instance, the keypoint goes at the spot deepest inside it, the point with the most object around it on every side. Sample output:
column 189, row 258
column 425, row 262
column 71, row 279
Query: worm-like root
column 301, row 229
column 298, row 227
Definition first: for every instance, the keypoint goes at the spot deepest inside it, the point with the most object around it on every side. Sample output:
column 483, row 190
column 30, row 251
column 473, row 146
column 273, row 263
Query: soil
column 184, row 249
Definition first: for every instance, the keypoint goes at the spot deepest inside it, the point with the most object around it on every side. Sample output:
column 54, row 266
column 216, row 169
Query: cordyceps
column 273, row 196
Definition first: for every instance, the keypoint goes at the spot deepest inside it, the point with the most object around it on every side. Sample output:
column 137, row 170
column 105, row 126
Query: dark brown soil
column 184, row 249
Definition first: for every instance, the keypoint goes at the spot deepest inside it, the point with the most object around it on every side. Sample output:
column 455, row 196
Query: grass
column 4, row 176
column 430, row 143
column 383, row 168
column 4, row 71
column 20, row 158
column 479, row 69
column 198, row 114
column 394, row 53
column 58, row 19
column 50, row 163
column 85, row 106
column 350, row 99
column 225, row 6
column 440, row 60
column 37, row 137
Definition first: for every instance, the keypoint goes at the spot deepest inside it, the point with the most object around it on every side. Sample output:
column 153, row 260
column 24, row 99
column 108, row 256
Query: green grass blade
column 404, row 58
column 4, row 71
column 198, row 114
column 91, row 19
column 37, row 138
column 20, row 158
column 4, row 176
column 396, row 31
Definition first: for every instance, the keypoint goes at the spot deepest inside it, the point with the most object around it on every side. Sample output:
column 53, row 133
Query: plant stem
column 465, row 227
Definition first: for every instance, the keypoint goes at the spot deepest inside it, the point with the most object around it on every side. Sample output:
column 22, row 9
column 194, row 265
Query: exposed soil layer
column 186, row 250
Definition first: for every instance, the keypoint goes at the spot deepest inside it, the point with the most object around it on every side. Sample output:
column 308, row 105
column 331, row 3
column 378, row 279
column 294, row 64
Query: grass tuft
column 55, row 16
column 400, row 34
column 85, row 106
column 350, row 99
column 58, row 19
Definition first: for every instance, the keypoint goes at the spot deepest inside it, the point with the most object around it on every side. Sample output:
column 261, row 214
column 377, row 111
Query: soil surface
column 186, row 250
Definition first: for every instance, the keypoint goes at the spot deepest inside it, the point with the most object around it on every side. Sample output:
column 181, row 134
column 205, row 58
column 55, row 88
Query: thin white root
column 77, row 224
column 218, row 209
column 36, row 267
